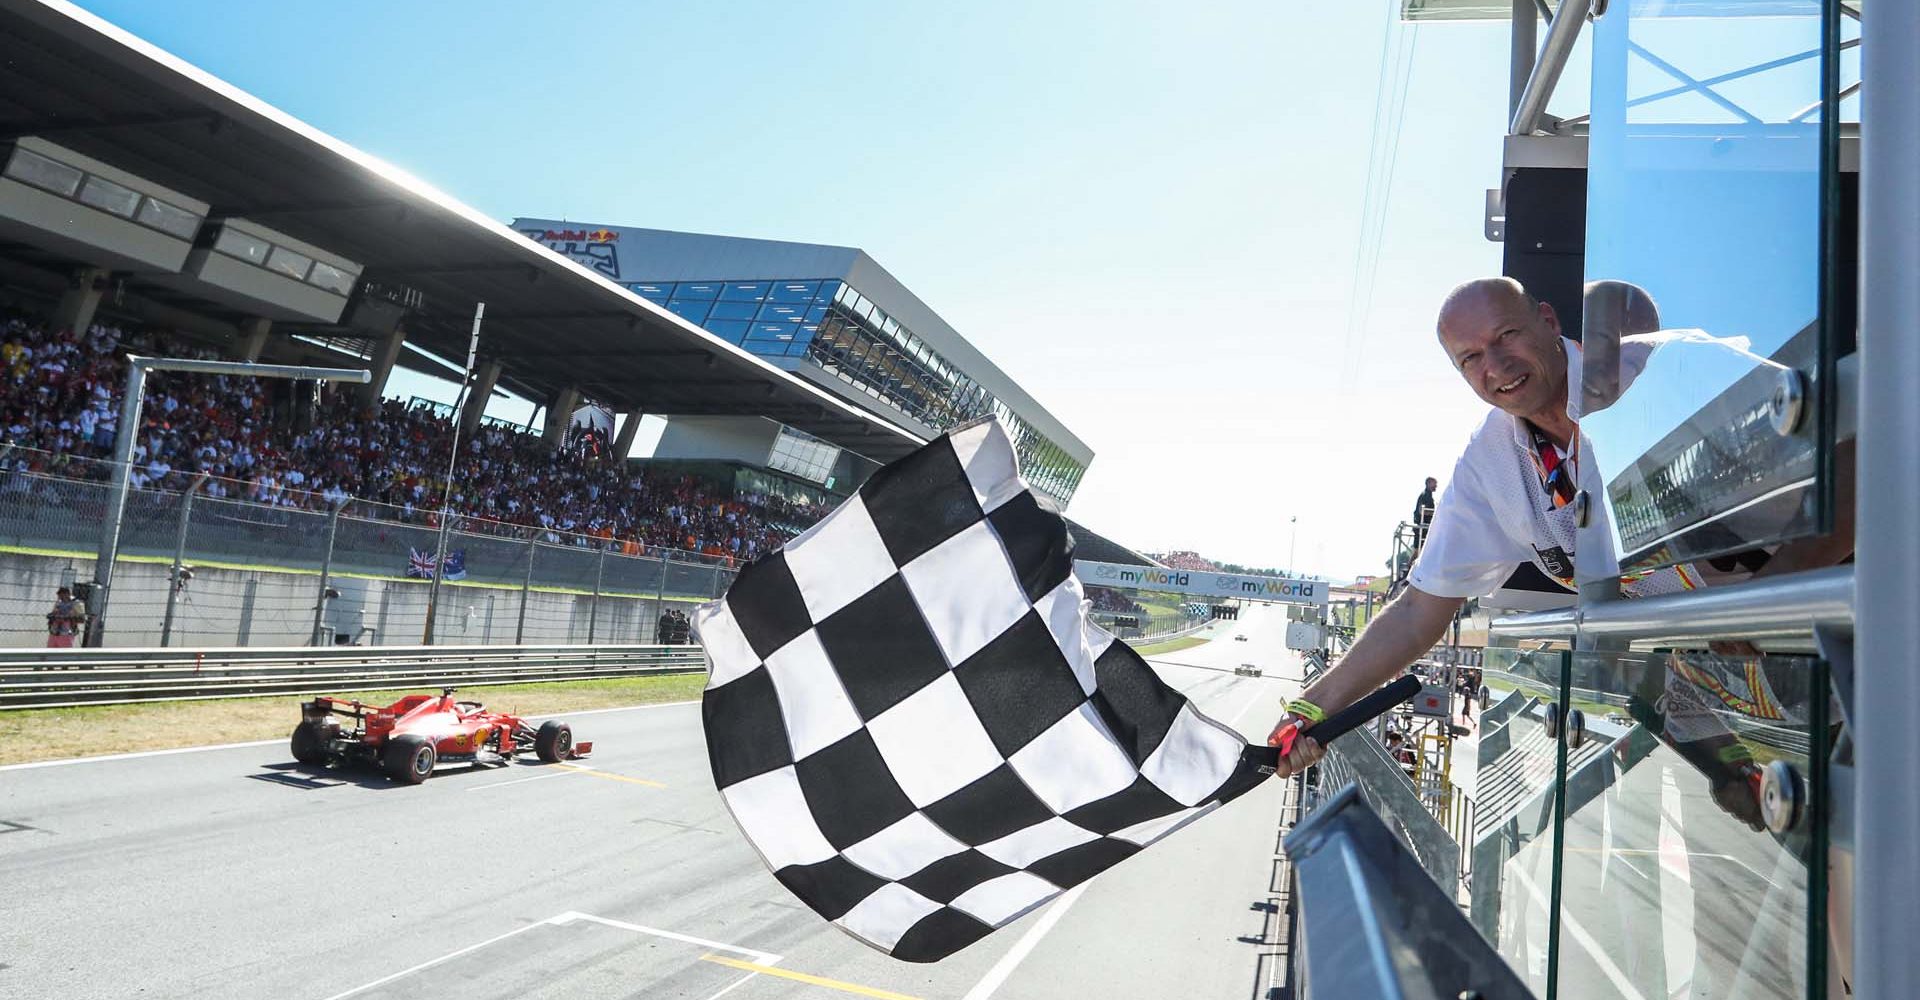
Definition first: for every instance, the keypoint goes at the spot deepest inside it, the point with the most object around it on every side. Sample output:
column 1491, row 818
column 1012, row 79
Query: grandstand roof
column 74, row 78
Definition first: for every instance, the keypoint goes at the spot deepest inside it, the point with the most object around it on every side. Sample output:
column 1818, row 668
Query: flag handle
column 1353, row 716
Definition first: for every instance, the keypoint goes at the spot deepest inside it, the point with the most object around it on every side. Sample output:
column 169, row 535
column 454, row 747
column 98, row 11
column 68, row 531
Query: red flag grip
column 1353, row 716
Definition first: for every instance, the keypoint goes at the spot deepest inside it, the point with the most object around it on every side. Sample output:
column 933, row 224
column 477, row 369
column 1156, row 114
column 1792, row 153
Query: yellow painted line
column 801, row 977
column 609, row 775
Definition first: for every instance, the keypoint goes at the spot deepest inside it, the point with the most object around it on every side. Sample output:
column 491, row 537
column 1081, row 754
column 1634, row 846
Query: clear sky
column 1147, row 213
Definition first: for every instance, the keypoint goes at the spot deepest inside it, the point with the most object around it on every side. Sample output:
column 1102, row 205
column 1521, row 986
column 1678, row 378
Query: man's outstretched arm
column 1395, row 638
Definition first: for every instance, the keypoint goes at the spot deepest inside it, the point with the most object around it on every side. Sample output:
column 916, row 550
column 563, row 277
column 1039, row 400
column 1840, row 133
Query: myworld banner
column 1275, row 589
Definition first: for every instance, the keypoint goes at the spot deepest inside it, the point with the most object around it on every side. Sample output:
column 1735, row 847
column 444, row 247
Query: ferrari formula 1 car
column 409, row 737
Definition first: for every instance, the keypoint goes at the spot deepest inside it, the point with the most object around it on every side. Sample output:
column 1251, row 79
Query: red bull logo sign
column 580, row 236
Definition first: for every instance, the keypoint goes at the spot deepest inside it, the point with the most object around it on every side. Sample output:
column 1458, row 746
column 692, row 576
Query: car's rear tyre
column 554, row 742
column 409, row 758
column 309, row 744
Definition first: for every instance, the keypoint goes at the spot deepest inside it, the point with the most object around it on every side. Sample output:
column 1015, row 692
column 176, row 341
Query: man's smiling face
column 1506, row 346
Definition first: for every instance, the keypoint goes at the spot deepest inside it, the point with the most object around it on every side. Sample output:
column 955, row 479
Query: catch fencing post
column 433, row 583
column 526, row 586
column 593, row 612
column 179, row 557
column 660, row 594
column 326, row 574
column 127, row 432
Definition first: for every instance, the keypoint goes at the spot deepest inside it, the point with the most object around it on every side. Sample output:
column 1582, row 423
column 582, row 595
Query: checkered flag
column 914, row 722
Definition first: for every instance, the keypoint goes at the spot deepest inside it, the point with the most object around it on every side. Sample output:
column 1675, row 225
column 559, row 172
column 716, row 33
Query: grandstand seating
column 60, row 406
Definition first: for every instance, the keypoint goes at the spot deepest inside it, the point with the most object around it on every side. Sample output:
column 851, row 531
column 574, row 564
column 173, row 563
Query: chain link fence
column 197, row 569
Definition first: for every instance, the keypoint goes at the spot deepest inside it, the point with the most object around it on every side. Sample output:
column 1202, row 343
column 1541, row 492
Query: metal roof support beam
column 85, row 286
column 1562, row 32
column 481, row 393
column 1526, row 41
column 253, row 338
column 559, row 415
column 386, row 351
column 629, row 429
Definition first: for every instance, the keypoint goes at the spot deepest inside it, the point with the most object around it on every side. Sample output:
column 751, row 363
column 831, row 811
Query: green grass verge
column 56, row 733
column 1170, row 646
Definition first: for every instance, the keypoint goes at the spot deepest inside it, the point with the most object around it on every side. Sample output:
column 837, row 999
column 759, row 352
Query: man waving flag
column 913, row 721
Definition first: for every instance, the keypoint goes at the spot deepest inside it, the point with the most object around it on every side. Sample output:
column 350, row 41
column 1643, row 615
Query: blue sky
column 1147, row 213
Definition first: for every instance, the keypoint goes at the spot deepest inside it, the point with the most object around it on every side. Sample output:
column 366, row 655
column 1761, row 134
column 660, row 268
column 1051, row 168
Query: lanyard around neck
column 1555, row 475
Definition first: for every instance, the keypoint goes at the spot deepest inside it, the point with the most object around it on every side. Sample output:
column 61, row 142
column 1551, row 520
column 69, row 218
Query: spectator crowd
column 60, row 411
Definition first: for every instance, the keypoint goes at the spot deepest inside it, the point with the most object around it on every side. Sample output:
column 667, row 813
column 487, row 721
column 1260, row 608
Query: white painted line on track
column 561, row 920
column 997, row 975
column 622, row 708
column 730, row 987
column 761, row 957
column 103, row 758
column 383, row 980
column 1594, row 949
column 1255, row 700
column 577, row 768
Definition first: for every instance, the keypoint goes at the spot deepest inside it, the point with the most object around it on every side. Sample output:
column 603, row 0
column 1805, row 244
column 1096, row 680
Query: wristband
column 1307, row 710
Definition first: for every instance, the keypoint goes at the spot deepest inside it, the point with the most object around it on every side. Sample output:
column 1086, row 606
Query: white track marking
column 1255, row 700
column 102, row 758
column 761, row 957
column 997, row 975
column 448, row 956
column 622, row 708
column 1586, row 941
column 730, row 987
column 576, row 769
column 561, row 920
column 1676, row 890
column 131, row 756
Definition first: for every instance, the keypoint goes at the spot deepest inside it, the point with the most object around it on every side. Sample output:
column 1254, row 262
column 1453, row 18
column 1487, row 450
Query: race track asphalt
column 234, row 873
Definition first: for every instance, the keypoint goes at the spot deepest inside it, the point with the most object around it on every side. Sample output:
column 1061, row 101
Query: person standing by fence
column 67, row 619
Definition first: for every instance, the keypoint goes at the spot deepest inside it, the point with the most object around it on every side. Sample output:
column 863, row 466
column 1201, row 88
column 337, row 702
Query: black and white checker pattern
column 912, row 719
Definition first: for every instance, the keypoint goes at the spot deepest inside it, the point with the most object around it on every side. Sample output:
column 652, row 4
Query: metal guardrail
column 1368, row 922
column 1359, row 761
column 59, row 678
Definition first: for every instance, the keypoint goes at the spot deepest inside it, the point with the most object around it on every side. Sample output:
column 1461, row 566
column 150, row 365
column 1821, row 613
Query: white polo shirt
column 1496, row 513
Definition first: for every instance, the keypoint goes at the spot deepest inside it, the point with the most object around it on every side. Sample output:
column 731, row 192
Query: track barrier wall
column 262, row 575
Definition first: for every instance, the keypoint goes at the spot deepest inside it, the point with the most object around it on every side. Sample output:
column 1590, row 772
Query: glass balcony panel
column 1512, row 839
column 1671, row 886
column 1705, row 209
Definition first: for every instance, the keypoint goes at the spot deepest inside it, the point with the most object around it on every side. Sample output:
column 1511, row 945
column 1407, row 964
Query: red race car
column 409, row 737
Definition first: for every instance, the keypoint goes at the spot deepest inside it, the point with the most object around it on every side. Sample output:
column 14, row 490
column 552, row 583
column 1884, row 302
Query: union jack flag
column 419, row 564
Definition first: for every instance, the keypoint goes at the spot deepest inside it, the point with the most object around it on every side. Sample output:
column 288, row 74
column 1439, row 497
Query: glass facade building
column 818, row 311
column 828, row 323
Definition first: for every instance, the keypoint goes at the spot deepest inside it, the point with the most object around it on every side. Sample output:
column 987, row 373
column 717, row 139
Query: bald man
column 1510, row 499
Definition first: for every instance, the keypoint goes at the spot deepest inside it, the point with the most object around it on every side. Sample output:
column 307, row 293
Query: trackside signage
column 1251, row 588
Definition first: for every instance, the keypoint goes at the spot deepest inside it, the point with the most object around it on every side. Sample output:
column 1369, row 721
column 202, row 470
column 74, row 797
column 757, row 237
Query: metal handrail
column 1792, row 605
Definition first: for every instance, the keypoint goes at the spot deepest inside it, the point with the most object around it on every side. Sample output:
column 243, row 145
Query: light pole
column 1293, row 535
